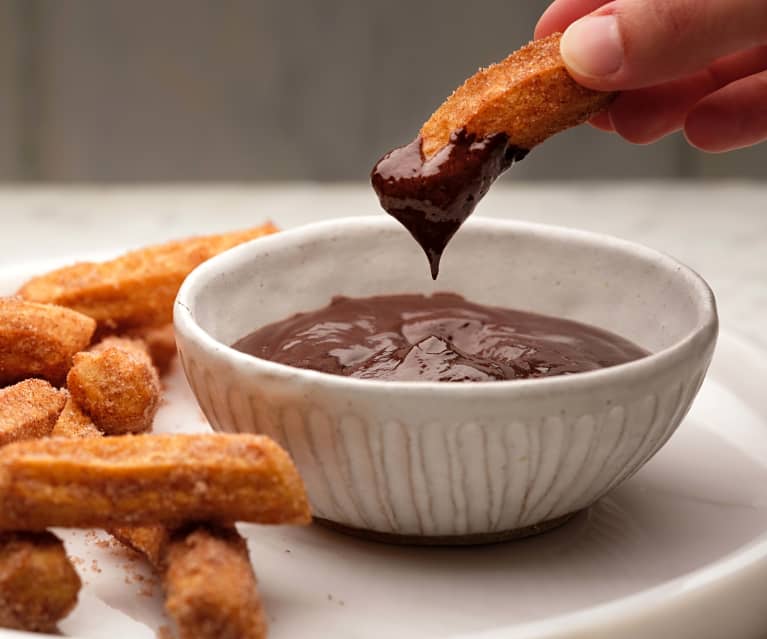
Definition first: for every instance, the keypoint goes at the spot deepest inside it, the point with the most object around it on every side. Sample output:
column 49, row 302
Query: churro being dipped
column 136, row 289
column 39, row 340
column 528, row 97
column 434, row 183
column 29, row 410
column 148, row 479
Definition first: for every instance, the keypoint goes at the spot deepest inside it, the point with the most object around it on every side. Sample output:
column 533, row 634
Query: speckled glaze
column 468, row 461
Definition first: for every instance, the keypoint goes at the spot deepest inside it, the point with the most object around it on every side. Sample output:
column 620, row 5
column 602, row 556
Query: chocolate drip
column 439, row 338
column 433, row 197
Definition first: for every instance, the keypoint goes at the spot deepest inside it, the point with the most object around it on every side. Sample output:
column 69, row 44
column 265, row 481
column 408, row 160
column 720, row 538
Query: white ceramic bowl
column 439, row 462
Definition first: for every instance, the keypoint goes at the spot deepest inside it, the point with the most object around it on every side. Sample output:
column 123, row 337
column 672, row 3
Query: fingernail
column 592, row 46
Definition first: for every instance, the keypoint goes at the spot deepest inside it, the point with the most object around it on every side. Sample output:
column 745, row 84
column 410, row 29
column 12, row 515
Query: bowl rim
column 242, row 255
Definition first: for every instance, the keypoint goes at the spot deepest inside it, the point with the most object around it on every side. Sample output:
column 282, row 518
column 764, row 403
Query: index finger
column 562, row 13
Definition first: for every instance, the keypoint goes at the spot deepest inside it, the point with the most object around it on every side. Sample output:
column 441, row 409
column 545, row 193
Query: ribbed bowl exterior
column 437, row 471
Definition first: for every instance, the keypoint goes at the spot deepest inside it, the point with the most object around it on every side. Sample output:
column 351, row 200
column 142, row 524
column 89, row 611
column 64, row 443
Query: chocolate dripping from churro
column 433, row 196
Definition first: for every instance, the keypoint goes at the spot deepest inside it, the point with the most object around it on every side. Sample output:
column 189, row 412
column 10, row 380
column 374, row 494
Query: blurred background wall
column 140, row 90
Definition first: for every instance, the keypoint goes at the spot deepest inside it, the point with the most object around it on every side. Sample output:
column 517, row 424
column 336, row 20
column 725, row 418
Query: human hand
column 697, row 65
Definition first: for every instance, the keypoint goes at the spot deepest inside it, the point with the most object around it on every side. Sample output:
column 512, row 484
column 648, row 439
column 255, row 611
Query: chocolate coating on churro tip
column 433, row 196
column 501, row 112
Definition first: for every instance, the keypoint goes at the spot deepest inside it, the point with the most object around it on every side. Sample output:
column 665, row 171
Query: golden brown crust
column 160, row 343
column 38, row 584
column 39, row 340
column 136, row 289
column 126, row 344
column 211, row 591
column 150, row 541
column 529, row 96
column 74, row 423
column 116, row 385
column 148, row 479
column 29, row 410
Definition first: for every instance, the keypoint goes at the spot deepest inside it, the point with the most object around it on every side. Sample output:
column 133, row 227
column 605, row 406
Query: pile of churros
column 82, row 352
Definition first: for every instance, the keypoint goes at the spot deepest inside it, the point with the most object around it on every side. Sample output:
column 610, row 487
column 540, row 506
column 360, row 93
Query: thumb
column 628, row 44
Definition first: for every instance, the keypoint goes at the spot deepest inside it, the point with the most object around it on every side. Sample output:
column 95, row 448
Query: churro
column 39, row 340
column 29, row 410
column 74, row 423
column 434, row 183
column 137, row 289
column 148, row 479
column 160, row 343
column 150, row 540
column 116, row 385
column 210, row 587
column 211, row 590
column 529, row 96
column 38, row 584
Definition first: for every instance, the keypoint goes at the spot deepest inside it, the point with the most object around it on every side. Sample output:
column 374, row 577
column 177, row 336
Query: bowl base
column 473, row 539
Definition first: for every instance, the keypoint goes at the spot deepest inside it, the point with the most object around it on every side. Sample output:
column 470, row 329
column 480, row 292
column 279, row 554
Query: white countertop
column 718, row 229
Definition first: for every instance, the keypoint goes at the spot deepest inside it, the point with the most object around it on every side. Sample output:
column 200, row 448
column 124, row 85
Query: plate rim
column 678, row 593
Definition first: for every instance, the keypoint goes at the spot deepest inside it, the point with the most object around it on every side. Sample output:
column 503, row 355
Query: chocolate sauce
column 433, row 197
column 440, row 338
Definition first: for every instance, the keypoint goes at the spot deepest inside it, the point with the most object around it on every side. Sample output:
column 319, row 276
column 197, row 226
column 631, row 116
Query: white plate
column 678, row 551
